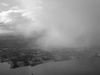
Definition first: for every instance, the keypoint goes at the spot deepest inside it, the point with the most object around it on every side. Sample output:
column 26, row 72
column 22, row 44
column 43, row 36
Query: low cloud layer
column 60, row 24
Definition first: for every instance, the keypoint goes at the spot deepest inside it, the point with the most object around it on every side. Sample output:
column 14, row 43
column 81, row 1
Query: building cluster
column 21, row 58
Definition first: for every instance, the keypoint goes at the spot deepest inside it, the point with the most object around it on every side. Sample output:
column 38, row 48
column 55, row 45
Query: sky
column 6, row 4
column 55, row 23
column 15, row 13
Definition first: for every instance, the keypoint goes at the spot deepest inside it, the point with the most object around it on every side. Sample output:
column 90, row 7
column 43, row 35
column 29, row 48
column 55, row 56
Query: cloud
column 4, row 4
column 15, row 7
column 56, row 24
column 10, row 15
column 14, row 18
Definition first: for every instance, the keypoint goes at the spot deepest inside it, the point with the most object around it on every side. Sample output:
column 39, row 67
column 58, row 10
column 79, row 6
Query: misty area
column 49, row 37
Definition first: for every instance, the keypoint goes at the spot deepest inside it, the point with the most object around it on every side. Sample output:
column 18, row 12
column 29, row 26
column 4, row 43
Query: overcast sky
column 63, row 23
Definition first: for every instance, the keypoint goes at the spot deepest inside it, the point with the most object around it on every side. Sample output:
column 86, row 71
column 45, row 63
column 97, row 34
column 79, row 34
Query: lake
column 85, row 66
column 4, row 66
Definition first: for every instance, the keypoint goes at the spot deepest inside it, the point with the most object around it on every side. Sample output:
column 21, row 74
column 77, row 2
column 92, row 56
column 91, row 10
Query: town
column 24, row 57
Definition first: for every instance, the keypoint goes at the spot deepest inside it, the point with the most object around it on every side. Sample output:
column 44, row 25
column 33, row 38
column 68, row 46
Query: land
column 24, row 57
column 32, row 57
column 16, row 52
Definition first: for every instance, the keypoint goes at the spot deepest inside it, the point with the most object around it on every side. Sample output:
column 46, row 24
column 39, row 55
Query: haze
column 58, row 24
